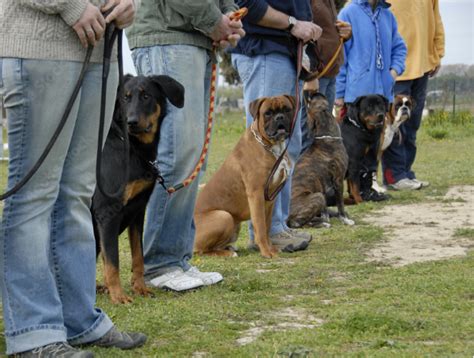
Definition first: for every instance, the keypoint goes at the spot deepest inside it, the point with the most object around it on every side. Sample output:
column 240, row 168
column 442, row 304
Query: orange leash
column 235, row 16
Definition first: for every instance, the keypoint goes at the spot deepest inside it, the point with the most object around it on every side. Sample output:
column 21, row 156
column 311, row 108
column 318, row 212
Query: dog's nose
column 280, row 117
column 132, row 120
column 381, row 117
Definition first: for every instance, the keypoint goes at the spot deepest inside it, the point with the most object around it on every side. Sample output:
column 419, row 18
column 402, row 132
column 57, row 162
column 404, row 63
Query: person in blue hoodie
column 374, row 57
column 265, row 61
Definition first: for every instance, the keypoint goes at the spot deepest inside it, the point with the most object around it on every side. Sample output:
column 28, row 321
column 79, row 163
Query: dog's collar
column 354, row 123
column 328, row 137
column 260, row 140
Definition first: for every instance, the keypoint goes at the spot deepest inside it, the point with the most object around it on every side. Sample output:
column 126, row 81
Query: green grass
column 367, row 309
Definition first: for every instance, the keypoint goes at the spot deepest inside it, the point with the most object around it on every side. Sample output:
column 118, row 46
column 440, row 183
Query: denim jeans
column 47, row 251
column 398, row 158
column 169, row 227
column 271, row 75
column 327, row 86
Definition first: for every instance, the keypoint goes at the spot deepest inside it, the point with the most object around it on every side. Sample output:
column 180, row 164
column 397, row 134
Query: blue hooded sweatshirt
column 375, row 48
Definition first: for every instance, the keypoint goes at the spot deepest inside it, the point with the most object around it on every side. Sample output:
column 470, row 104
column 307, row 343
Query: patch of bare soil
column 425, row 231
column 289, row 319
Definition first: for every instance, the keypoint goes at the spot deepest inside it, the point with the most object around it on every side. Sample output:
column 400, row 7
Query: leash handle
column 271, row 196
column 235, row 16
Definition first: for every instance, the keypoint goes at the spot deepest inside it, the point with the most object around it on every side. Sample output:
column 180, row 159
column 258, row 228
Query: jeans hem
column 100, row 327
column 33, row 339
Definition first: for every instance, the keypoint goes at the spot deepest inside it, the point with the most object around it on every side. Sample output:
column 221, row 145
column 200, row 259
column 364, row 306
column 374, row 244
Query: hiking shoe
column 56, row 350
column 285, row 242
column 300, row 233
column 373, row 195
column 423, row 183
column 208, row 278
column 406, row 184
column 123, row 340
column 175, row 280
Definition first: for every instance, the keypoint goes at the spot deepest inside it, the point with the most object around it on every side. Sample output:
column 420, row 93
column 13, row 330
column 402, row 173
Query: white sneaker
column 176, row 280
column 423, row 183
column 406, row 184
column 376, row 186
column 208, row 278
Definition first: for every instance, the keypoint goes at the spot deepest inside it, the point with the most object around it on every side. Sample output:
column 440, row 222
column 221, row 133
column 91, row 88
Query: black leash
column 112, row 33
column 271, row 196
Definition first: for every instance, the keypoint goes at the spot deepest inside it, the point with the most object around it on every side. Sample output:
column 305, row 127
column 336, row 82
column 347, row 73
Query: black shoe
column 373, row 195
column 57, row 350
column 123, row 340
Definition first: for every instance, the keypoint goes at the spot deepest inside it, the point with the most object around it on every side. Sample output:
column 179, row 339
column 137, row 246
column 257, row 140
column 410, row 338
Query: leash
column 271, row 196
column 332, row 60
column 235, row 16
column 113, row 33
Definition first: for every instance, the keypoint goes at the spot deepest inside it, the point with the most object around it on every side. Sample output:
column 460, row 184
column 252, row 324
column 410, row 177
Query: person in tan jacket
column 419, row 23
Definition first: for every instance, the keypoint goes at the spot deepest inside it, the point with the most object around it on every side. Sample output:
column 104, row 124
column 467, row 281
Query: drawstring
column 374, row 16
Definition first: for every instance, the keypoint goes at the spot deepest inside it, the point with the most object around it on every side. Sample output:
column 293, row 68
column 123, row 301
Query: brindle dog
column 318, row 179
column 143, row 107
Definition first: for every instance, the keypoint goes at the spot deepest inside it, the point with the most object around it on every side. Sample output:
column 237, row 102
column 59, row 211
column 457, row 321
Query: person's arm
column 264, row 15
column 342, row 75
column 69, row 10
column 399, row 51
column 227, row 6
column 204, row 15
column 439, row 36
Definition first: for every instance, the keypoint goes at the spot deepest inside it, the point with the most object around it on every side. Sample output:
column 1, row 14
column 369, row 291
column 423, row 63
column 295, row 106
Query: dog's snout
column 132, row 120
column 280, row 117
column 380, row 116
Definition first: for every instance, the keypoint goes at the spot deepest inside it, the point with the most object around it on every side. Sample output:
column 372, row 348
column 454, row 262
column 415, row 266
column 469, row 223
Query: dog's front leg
column 258, row 215
column 135, row 233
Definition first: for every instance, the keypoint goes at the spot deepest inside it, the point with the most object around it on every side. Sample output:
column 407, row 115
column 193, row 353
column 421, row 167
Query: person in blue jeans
column 175, row 38
column 265, row 61
column 374, row 57
column 47, row 245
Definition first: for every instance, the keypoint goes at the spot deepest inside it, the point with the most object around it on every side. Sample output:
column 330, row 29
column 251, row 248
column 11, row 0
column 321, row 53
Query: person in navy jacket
column 374, row 57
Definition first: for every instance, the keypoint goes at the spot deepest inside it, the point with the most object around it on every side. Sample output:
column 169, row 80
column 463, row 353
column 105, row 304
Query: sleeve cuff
column 257, row 11
column 73, row 11
column 211, row 21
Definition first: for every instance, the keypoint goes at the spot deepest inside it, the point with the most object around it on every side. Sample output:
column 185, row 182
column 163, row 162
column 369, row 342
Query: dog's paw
column 120, row 298
column 270, row 253
column 326, row 225
column 347, row 221
column 141, row 289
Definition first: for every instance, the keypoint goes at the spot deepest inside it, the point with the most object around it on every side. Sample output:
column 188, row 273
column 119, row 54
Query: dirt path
column 425, row 231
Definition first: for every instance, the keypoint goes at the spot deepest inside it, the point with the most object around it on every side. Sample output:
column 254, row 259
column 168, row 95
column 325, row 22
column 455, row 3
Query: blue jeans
column 47, row 250
column 271, row 75
column 169, row 227
column 327, row 86
column 398, row 158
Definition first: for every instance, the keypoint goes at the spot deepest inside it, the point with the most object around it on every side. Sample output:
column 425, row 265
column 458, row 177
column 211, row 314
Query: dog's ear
column 127, row 78
column 292, row 100
column 172, row 89
column 254, row 107
column 354, row 108
column 387, row 103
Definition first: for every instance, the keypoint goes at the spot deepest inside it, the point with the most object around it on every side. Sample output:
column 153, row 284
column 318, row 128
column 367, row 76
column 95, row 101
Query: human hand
column 306, row 31
column 90, row 27
column 344, row 29
column 227, row 32
column 434, row 71
column 123, row 12
column 339, row 102
column 394, row 74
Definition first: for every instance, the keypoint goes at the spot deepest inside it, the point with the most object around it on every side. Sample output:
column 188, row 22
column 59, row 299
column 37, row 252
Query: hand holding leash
column 122, row 14
column 306, row 31
column 90, row 27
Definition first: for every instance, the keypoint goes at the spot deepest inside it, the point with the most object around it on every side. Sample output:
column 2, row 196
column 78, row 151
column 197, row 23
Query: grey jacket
column 175, row 22
column 42, row 29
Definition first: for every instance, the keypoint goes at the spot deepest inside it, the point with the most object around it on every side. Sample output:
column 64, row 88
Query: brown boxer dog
column 235, row 193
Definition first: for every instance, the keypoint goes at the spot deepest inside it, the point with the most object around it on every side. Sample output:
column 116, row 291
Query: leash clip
column 156, row 171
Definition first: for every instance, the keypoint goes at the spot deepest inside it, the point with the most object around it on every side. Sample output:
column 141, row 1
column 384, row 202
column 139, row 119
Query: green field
column 327, row 301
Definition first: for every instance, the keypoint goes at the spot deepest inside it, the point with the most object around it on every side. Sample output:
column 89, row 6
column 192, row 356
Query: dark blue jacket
column 264, row 40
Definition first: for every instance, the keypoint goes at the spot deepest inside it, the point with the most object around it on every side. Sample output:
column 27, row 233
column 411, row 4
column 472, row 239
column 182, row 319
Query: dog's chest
column 284, row 168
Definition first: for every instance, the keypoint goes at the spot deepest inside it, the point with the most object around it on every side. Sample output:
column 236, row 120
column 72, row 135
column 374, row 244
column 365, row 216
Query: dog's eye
column 267, row 113
column 127, row 98
column 145, row 96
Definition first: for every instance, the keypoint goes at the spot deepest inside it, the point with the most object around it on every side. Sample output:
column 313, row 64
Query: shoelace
column 55, row 348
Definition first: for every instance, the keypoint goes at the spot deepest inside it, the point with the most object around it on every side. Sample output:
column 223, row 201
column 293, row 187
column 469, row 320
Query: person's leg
column 410, row 127
column 262, row 76
column 35, row 97
column 327, row 86
column 395, row 156
column 72, row 237
column 169, row 228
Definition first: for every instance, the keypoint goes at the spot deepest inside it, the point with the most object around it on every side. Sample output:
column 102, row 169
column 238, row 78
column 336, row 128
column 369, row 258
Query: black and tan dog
column 361, row 128
column 318, row 178
column 399, row 113
column 144, row 107
column 235, row 193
